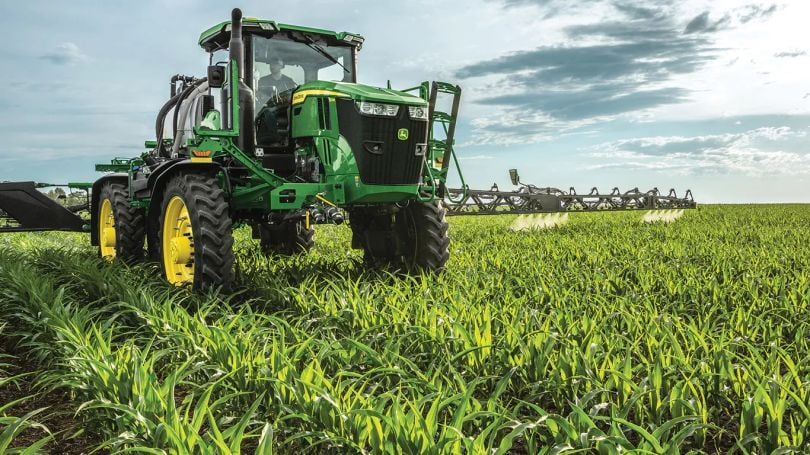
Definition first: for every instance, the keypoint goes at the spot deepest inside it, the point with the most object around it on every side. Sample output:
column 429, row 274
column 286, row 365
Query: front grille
column 396, row 162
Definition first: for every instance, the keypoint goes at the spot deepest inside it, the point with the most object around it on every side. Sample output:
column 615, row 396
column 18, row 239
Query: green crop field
column 604, row 335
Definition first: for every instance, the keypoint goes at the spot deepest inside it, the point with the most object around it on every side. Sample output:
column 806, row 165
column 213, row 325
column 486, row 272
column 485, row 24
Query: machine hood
column 358, row 92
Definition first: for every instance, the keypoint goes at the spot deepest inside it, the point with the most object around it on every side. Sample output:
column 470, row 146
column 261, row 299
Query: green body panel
column 212, row 121
column 305, row 121
column 334, row 152
column 340, row 182
column 340, row 191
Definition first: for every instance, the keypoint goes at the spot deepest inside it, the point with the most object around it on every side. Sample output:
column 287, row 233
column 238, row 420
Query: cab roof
column 217, row 37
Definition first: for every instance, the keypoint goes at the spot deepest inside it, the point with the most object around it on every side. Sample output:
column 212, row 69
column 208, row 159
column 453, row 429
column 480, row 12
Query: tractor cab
column 279, row 65
column 281, row 59
column 305, row 117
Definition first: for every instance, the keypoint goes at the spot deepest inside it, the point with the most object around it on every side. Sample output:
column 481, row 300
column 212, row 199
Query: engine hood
column 358, row 92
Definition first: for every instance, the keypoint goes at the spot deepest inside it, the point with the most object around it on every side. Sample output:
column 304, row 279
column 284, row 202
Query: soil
column 58, row 416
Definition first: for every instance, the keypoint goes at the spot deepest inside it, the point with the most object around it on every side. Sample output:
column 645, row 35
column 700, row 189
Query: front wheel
column 422, row 228
column 196, row 242
column 413, row 238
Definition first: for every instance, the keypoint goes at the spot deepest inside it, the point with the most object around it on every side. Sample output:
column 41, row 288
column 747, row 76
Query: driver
column 275, row 83
column 273, row 92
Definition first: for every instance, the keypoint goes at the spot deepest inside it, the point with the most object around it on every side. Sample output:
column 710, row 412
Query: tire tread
column 212, row 228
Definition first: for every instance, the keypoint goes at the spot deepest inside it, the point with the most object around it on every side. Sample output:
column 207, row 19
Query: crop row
column 604, row 334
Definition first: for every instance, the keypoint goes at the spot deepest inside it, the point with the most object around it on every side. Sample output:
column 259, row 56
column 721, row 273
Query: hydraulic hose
column 183, row 95
column 178, row 78
column 161, row 117
column 185, row 107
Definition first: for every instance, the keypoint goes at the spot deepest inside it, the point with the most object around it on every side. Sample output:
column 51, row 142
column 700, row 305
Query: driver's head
column 276, row 64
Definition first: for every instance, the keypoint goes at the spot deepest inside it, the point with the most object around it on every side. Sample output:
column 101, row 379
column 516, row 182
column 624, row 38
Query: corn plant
column 603, row 334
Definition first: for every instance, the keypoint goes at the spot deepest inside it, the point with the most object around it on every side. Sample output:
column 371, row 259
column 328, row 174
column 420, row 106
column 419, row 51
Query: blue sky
column 708, row 95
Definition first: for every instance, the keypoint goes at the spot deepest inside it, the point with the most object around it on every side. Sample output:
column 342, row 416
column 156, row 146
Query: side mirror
column 207, row 104
column 513, row 175
column 216, row 76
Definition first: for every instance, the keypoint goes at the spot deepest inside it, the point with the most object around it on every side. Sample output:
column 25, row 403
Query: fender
column 95, row 194
column 161, row 176
column 158, row 180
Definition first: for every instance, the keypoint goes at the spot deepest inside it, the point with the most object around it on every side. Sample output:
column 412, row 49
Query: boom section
column 532, row 199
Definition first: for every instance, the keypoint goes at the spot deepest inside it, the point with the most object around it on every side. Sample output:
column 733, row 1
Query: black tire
column 211, row 226
column 130, row 223
column 423, row 228
column 373, row 232
column 287, row 238
column 153, row 236
column 414, row 239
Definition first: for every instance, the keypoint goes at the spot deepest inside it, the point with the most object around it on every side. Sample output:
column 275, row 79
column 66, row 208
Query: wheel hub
column 106, row 230
column 181, row 250
column 108, row 237
column 178, row 243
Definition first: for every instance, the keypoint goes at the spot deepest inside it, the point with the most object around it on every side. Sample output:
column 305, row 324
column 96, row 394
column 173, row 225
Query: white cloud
column 701, row 85
column 756, row 152
column 476, row 158
column 65, row 54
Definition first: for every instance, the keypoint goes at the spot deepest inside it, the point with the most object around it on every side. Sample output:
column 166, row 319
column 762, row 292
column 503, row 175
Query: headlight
column 418, row 112
column 385, row 110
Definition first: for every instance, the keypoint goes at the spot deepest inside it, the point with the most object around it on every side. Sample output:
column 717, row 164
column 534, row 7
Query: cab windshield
column 288, row 59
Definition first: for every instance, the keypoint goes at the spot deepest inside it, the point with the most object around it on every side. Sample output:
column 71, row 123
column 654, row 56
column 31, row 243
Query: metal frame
column 531, row 199
column 24, row 208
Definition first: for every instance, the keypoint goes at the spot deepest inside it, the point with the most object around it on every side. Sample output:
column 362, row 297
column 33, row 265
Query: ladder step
column 437, row 147
column 443, row 117
column 442, row 150
column 444, row 87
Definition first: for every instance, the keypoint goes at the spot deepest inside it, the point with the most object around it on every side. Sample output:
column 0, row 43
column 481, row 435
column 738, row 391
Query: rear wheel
column 121, row 228
column 196, row 243
column 287, row 238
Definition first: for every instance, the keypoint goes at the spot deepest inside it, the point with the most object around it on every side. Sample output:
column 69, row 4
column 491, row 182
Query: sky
column 712, row 96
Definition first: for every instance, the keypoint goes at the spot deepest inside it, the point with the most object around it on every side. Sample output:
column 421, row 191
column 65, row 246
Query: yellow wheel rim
column 106, row 230
column 178, row 243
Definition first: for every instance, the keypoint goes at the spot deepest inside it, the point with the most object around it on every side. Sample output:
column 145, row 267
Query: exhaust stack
column 236, row 46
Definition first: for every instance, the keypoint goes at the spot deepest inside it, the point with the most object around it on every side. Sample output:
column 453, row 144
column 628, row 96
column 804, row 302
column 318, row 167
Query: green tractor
column 278, row 136
column 294, row 141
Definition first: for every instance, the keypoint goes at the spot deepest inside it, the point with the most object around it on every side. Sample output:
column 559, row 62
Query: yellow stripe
column 299, row 97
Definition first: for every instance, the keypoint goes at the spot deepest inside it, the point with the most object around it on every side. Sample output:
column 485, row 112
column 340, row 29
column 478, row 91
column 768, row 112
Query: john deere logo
column 402, row 134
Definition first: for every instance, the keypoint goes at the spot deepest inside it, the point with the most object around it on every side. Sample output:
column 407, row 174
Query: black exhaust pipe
column 236, row 46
